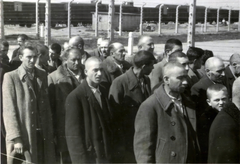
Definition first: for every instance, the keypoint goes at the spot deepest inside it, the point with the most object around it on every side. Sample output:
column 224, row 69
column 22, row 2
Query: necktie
column 98, row 97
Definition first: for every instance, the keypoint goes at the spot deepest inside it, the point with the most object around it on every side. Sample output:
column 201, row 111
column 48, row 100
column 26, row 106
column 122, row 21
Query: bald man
column 88, row 118
column 102, row 50
column 146, row 43
column 115, row 64
column 232, row 71
column 78, row 42
column 165, row 125
column 179, row 57
column 214, row 68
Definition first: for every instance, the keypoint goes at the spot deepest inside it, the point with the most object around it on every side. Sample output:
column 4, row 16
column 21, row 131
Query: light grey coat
column 22, row 106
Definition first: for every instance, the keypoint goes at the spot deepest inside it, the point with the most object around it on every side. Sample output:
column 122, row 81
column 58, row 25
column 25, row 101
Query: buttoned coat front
column 126, row 96
column 22, row 106
column 60, row 84
column 88, row 127
column 161, row 136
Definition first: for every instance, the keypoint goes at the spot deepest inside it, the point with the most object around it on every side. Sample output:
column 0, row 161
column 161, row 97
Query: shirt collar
column 94, row 90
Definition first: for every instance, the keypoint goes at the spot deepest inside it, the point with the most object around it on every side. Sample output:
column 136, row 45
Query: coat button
column 173, row 138
column 173, row 154
column 32, row 125
column 173, row 123
column 32, row 112
column 31, row 100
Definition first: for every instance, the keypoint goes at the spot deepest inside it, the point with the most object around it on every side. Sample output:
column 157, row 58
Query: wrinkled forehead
column 176, row 72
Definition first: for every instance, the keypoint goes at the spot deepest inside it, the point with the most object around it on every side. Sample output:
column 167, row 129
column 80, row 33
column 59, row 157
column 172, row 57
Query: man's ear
column 234, row 65
column 166, row 79
column 85, row 71
column 20, row 57
column 208, row 101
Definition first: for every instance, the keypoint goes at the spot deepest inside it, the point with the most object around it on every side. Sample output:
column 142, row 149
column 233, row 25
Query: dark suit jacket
column 198, row 93
column 87, row 128
column 126, row 96
column 111, row 71
column 224, row 142
column 60, row 84
column 163, row 135
column 229, row 80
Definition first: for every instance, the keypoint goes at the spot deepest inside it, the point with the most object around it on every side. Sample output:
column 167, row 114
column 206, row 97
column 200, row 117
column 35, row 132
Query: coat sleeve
column 145, row 136
column 116, row 93
column 10, row 114
column 156, row 76
column 74, row 130
column 52, row 98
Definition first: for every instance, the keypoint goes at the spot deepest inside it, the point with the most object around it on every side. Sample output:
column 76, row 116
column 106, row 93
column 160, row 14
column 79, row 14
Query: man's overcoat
column 22, row 107
column 60, row 84
column 161, row 136
column 87, row 128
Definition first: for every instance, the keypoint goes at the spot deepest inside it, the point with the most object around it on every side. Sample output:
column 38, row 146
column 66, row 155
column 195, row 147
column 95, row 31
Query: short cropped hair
column 194, row 53
column 56, row 48
column 23, row 36
column 171, row 43
column 177, row 54
column 170, row 65
column 143, row 58
column 216, row 88
column 207, row 54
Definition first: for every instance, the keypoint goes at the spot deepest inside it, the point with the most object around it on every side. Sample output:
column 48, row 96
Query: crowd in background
column 62, row 104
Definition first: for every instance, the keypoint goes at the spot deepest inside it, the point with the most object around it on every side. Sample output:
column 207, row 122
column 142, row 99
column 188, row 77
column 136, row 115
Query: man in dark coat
column 165, row 125
column 194, row 55
column 224, row 141
column 26, row 110
column 88, row 118
column 60, row 83
column 102, row 50
column 232, row 71
column 126, row 94
column 114, row 65
column 214, row 74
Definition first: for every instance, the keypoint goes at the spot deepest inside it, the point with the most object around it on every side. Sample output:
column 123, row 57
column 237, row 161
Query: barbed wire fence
column 46, row 21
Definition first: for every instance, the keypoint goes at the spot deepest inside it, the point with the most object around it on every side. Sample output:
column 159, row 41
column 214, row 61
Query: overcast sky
column 235, row 4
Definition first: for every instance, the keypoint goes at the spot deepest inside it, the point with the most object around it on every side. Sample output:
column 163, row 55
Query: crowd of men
column 62, row 104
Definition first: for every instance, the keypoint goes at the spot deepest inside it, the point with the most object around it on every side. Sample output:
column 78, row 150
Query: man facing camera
column 217, row 98
column 224, row 135
column 88, row 118
column 26, row 110
column 165, row 125
column 60, row 83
